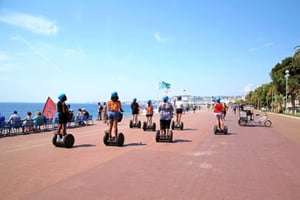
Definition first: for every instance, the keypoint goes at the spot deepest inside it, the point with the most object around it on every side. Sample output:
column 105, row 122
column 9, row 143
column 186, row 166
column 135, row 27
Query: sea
column 7, row 108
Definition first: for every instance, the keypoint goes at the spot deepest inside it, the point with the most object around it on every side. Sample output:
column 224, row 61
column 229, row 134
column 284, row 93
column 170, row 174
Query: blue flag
column 163, row 85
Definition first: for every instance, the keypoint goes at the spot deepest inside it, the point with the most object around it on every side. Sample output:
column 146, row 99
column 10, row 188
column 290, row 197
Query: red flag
column 49, row 109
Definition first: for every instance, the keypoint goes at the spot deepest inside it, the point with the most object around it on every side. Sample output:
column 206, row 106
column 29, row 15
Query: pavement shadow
column 84, row 145
column 228, row 134
column 188, row 129
column 135, row 144
column 182, row 140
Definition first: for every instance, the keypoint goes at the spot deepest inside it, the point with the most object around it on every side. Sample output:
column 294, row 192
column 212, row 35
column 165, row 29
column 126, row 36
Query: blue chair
column 15, row 126
column 5, row 128
column 89, row 120
column 49, row 124
column 27, row 126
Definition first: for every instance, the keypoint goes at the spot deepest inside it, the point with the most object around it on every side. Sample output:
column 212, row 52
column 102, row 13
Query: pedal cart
column 244, row 119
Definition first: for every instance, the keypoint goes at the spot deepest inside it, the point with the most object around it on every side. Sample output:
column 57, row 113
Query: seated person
column 80, row 117
column 86, row 114
column 13, row 120
column 38, row 119
column 27, row 124
column 14, row 117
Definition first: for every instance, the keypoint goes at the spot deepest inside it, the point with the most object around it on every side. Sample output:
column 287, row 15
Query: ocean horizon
column 7, row 108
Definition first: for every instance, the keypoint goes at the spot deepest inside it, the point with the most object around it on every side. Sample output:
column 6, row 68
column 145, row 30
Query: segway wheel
column 215, row 129
column 130, row 124
column 144, row 126
column 153, row 127
column 120, row 139
column 173, row 125
column 139, row 124
column 225, row 130
column 171, row 136
column 105, row 138
column 268, row 123
column 157, row 136
column 181, row 126
column 69, row 140
column 54, row 140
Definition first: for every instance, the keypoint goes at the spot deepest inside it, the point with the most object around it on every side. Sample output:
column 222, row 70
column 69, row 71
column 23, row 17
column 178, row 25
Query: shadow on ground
column 135, row 144
column 84, row 145
column 181, row 140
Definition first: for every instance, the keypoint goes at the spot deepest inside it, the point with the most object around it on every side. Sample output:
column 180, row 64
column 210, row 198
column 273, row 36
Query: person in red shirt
column 218, row 108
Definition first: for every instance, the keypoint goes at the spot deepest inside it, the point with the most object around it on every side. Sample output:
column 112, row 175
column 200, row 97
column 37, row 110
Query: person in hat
column 63, row 115
column 149, row 112
column 114, row 109
column 218, row 109
column 134, row 110
column 165, row 110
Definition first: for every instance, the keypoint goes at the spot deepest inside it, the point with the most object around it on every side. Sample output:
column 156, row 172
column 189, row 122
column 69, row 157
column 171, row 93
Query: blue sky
column 87, row 49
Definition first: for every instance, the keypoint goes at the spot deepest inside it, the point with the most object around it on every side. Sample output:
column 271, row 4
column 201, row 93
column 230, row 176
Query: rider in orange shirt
column 149, row 113
column 114, row 113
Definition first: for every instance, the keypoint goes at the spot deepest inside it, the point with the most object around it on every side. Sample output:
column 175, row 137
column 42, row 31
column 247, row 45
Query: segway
column 177, row 126
column 151, row 127
column 135, row 125
column 67, row 141
column 113, row 141
column 164, row 137
column 218, row 130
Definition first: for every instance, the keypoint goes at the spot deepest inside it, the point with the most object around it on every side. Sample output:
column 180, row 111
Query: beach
column 248, row 163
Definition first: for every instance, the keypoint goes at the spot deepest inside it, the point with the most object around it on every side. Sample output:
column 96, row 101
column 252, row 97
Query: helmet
column 218, row 99
column 61, row 96
column 165, row 98
column 134, row 99
column 149, row 101
column 114, row 94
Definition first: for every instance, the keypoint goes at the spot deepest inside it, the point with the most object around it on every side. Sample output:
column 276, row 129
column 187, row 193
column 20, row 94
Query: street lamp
column 287, row 74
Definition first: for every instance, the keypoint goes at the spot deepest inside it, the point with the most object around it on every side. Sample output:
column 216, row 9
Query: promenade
column 248, row 163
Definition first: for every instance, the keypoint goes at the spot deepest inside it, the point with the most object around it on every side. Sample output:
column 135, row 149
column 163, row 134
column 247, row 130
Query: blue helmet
column 218, row 99
column 149, row 101
column 165, row 98
column 114, row 94
column 61, row 96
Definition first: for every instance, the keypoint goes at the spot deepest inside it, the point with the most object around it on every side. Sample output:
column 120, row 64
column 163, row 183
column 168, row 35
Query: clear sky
column 87, row 49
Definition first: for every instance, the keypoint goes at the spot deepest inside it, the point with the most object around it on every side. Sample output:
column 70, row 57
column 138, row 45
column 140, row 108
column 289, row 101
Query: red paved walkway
column 249, row 163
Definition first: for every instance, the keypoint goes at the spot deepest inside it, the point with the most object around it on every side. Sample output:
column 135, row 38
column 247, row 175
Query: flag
column 49, row 109
column 163, row 85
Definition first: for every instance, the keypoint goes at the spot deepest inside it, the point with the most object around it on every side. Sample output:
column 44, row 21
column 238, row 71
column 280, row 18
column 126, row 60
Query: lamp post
column 287, row 74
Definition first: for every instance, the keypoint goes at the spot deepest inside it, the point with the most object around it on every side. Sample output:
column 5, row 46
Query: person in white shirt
column 179, row 109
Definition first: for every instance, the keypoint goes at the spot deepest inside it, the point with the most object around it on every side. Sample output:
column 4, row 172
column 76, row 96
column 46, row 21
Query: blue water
column 6, row 109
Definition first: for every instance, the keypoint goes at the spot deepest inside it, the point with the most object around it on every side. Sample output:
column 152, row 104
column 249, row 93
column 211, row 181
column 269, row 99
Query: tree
column 278, row 77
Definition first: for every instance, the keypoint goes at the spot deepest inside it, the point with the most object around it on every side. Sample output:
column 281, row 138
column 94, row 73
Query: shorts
column 149, row 115
column 135, row 112
column 114, row 115
column 63, row 118
column 218, row 115
column 165, row 124
column 178, row 111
